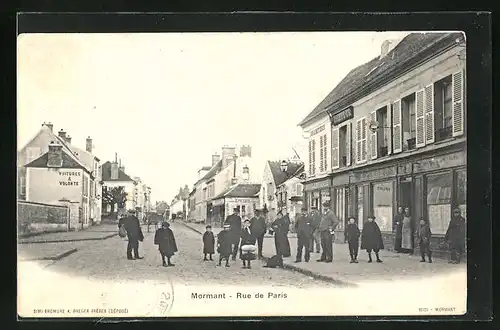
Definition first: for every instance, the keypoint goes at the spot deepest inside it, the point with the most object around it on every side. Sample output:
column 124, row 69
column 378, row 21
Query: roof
column 407, row 49
column 106, row 173
column 205, row 168
column 279, row 176
column 240, row 190
column 68, row 162
column 213, row 171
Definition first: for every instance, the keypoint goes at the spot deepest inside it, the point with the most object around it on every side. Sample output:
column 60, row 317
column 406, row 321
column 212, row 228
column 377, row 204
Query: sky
column 165, row 102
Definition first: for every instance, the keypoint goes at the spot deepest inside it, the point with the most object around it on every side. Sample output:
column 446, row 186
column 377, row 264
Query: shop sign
column 317, row 185
column 69, row 178
column 318, row 130
column 343, row 115
column 404, row 169
column 435, row 163
column 375, row 175
column 340, row 180
column 218, row 202
column 241, row 200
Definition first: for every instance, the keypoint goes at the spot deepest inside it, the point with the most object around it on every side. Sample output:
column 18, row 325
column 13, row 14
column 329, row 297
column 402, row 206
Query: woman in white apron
column 407, row 232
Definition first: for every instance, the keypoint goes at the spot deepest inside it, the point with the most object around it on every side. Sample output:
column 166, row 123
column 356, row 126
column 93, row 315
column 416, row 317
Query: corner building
column 393, row 133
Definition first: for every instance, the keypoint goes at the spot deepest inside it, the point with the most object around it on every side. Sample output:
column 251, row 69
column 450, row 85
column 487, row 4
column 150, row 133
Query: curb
column 70, row 240
column 55, row 258
column 301, row 270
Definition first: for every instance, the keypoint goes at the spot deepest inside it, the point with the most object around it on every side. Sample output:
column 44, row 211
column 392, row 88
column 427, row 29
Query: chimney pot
column 54, row 155
column 62, row 134
column 88, row 145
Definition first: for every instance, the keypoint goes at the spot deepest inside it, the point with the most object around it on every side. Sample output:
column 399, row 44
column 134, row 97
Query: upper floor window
column 298, row 189
column 443, row 109
column 312, row 157
column 408, row 122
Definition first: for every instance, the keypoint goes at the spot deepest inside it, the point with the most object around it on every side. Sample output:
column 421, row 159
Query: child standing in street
column 164, row 238
column 352, row 235
column 424, row 239
column 208, row 243
column 224, row 240
column 371, row 238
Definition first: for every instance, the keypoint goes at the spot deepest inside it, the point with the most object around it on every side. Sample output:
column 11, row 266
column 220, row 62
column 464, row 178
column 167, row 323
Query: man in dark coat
column 234, row 221
column 316, row 238
column 224, row 244
column 398, row 229
column 280, row 227
column 164, row 238
column 455, row 236
column 258, row 228
column 326, row 228
column 371, row 238
column 134, row 234
column 304, row 231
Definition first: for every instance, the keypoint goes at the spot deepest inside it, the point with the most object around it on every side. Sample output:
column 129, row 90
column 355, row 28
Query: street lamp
column 374, row 126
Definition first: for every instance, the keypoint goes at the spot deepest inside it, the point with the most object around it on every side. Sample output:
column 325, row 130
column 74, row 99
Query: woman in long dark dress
column 280, row 227
column 164, row 238
column 371, row 238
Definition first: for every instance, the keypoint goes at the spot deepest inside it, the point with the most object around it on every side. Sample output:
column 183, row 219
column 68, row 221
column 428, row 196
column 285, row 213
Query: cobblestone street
column 106, row 259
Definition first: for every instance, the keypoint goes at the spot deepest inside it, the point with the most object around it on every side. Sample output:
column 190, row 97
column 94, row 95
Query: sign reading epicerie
column 69, row 178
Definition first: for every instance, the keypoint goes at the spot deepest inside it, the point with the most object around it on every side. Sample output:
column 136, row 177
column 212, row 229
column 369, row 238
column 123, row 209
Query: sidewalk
column 98, row 232
column 395, row 267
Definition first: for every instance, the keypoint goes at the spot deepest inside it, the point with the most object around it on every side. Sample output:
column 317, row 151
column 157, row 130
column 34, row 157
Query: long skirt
column 406, row 241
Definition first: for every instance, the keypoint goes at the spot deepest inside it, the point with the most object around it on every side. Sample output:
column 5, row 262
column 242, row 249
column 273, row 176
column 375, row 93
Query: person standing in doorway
column 316, row 237
column 407, row 232
column 398, row 229
column 326, row 228
column 455, row 236
column 234, row 222
column 134, row 235
column 304, row 231
column 258, row 228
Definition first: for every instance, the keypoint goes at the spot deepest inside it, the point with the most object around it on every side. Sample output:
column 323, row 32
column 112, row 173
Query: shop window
column 298, row 189
column 443, row 109
column 408, row 121
column 439, row 202
column 315, row 199
column 383, row 133
column 359, row 205
column 343, row 146
column 382, row 204
column 462, row 192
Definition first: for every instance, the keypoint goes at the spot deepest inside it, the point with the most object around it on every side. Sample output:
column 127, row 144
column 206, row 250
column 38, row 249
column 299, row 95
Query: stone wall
column 35, row 218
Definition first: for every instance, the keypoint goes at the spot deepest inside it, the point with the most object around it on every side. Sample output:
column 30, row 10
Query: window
column 409, row 122
column 323, row 163
column 343, row 146
column 298, row 189
column 443, row 118
column 359, row 206
column 382, row 204
column 439, row 201
column 315, row 199
column 383, row 133
column 312, row 157
column 462, row 192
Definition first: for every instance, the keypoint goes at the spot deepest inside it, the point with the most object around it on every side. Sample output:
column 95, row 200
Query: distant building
column 113, row 175
column 243, row 196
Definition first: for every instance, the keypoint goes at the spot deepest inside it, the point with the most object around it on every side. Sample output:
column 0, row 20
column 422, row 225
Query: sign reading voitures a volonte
column 70, row 178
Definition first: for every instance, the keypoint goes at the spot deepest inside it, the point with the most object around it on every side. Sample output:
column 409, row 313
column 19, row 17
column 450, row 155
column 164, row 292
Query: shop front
column 316, row 193
column 219, row 212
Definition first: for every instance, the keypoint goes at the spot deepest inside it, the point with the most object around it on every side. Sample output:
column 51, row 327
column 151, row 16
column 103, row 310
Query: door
column 405, row 193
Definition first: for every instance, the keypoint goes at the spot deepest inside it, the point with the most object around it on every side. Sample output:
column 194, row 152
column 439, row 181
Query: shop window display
column 439, row 202
column 382, row 205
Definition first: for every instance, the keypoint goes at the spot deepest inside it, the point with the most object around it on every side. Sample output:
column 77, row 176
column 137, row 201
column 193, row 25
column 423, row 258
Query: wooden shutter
column 321, row 160
column 374, row 141
column 419, row 119
column 364, row 135
column 358, row 141
column 310, row 158
column 396, row 127
column 325, row 152
column 348, row 144
column 429, row 113
column 388, row 130
column 335, row 148
column 314, row 155
column 458, row 103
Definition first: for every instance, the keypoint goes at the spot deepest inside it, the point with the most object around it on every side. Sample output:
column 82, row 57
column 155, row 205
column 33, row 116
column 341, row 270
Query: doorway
column 405, row 193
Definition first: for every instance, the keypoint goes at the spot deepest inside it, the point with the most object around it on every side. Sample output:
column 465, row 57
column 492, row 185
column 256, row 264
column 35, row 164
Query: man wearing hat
column 455, row 236
column 134, row 234
column 326, row 228
column 234, row 221
column 258, row 228
column 316, row 236
column 304, row 232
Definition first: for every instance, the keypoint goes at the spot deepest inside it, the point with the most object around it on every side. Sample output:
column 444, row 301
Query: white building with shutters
column 395, row 135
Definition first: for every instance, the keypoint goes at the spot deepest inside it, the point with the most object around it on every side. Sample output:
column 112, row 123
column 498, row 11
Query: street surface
column 106, row 259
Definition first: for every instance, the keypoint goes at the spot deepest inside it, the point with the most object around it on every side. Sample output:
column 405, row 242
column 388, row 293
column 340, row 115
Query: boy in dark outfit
column 224, row 242
column 164, row 238
column 247, row 239
column 208, row 243
column 371, row 238
column 352, row 235
column 424, row 240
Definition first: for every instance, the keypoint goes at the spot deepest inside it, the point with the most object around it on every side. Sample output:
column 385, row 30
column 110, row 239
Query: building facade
column 113, row 176
column 395, row 136
column 241, row 196
column 289, row 194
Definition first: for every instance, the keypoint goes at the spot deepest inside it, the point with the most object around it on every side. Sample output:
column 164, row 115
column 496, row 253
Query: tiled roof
column 409, row 47
column 240, row 190
column 213, row 171
column 279, row 176
column 68, row 161
column 205, row 168
column 106, row 173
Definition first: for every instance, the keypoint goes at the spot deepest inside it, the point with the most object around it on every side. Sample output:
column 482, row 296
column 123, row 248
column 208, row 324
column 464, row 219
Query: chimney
column 215, row 159
column 68, row 139
column 121, row 167
column 228, row 154
column 388, row 46
column 49, row 126
column 55, row 154
column 114, row 170
column 246, row 151
column 88, row 144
